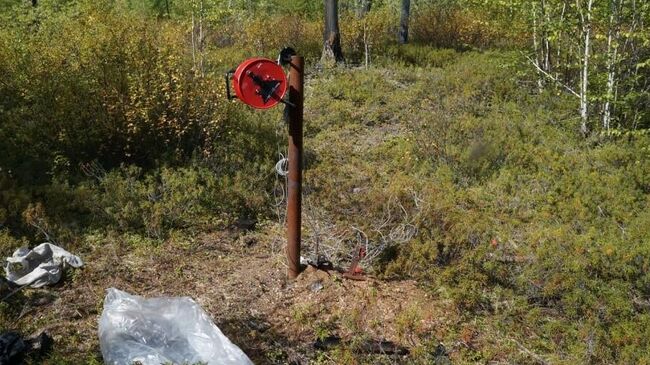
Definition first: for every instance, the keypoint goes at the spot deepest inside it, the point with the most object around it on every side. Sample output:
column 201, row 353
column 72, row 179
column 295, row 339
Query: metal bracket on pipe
column 284, row 58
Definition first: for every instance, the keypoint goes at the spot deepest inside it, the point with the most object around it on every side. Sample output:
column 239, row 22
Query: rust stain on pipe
column 294, row 199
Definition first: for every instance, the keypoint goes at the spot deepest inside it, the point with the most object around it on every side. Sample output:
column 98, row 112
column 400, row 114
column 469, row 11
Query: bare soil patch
column 240, row 280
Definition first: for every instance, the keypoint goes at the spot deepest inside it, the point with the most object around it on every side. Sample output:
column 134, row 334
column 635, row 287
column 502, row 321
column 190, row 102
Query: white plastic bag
column 162, row 331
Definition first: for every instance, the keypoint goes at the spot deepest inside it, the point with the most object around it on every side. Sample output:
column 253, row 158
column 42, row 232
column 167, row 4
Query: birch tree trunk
column 193, row 42
column 585, row 17
column 612, row 59
column 546, row 50
column 540, row 80
column 559, row 40
column 200, row 40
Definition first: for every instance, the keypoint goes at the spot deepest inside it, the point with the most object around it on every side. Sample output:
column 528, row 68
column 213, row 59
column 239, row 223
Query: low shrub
column 519, row 219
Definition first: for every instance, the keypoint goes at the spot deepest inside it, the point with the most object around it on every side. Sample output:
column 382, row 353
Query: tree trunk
column 193, row 42
column 545, row 34
column 200, row 40
column 612, row 58
column 540, row 80
column 584, row 102
column 332, row 52
column 559, row 41
column 403, row 36
column 366, row 46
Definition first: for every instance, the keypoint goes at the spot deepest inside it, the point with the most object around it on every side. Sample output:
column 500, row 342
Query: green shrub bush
column 101, row 109
column 519, row 218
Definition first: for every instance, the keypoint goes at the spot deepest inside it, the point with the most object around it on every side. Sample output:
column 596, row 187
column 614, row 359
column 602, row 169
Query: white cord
column 282, row 167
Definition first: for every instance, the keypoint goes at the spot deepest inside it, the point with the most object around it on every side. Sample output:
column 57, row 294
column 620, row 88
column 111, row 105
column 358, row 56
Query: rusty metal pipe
column 294, row 199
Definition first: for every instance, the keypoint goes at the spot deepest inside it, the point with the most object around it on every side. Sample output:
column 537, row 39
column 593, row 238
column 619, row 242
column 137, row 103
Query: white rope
column 280, row 192
column 282, row 167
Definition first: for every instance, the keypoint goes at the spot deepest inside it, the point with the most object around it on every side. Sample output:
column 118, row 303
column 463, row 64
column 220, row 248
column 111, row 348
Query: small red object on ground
column 355, row 272
column 260, row 82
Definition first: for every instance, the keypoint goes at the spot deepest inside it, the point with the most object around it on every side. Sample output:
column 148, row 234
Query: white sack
column 39, row 267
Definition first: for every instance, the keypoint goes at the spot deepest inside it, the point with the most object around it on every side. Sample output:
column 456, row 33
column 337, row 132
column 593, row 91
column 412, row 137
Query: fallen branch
column 553, row 78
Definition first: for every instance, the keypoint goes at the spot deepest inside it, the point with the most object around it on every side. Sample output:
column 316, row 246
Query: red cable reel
column 258, row 82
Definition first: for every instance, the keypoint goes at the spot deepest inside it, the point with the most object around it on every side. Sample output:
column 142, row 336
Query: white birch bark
column 612, row 58
column 584, row 85
column 546, row 50
column 540, row 81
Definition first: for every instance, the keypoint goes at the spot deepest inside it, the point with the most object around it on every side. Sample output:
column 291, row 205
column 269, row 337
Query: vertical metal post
column 294, row 199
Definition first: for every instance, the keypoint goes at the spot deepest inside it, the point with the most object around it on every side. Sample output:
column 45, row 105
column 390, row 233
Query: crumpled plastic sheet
column 166, row 330
column 40, row 266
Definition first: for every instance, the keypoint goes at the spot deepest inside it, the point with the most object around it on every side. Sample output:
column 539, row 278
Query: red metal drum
column 260, row 82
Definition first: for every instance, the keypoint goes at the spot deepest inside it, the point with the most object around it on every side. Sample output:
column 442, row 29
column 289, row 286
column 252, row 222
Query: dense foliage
column 459, row 155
